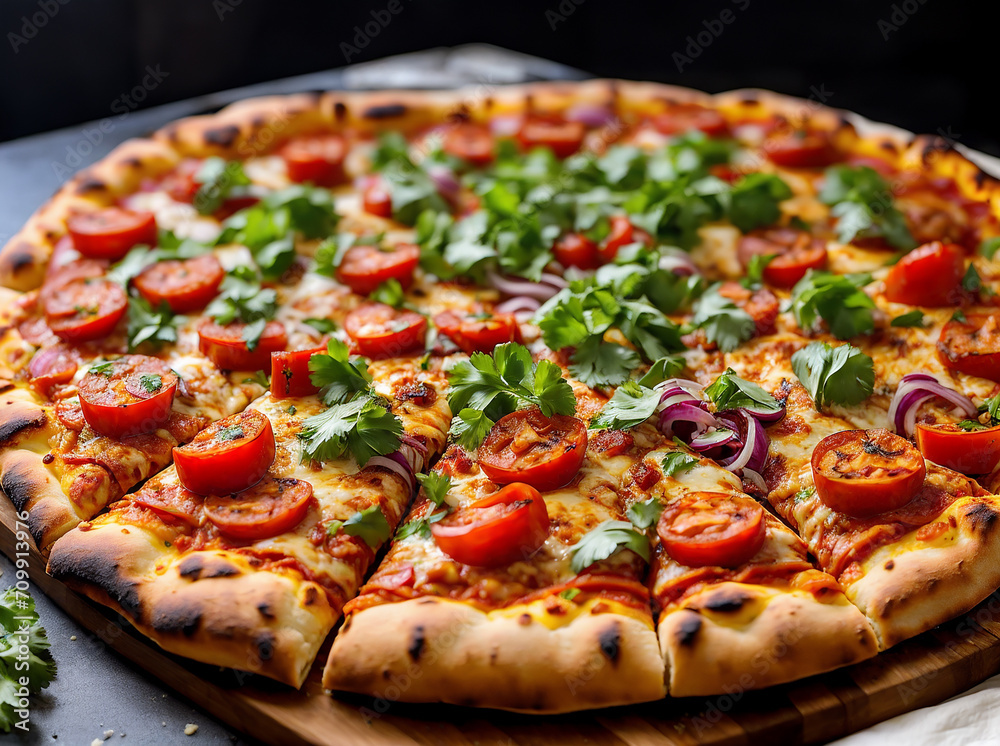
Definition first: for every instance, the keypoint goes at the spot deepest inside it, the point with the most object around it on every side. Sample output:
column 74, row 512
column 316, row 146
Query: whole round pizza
column 558, row 396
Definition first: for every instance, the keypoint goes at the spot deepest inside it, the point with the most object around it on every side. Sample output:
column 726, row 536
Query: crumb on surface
column 72, row 638
column 190, row 729
column 108, row 733
column 96, row 742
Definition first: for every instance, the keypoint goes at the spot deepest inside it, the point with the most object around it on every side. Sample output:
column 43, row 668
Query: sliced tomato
column 376, row 200
column 82, row 310
column 318, row 159
column 576, row 250
column 686, row 117
column 226, row 347
column 795, row 253
column 507, row 526
column 470, row 142
column 972, row 346
column 712, row 529
column 171, row 502
column 527, row 446
column 290, row 374
column 622, row 234
column 228, row 456
column 612, row 443
column 180, row 184
column 271, row 507
column 364, row 268
column 232, row 205
column 183, row 284
column 970, row 452
column 111, row 232
column 800, row 149
column 865, row 472
column 127, row 396
column 53, row 365
column 930, row 275
column 561, row 137
column 380, row 331
column 473, row 334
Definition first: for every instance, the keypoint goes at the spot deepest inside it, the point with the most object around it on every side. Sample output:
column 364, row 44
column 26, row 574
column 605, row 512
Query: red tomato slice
column 470, row 142
column 563, row 138
column 318, row 159
column 686, row 117
column 622, row 234
column 796, row 252
column 381, row 331
column 712, row 529
column 930, row 275
column 181, row 184
column 800, row 150
column 225, row 346
column 972, row 346
column 51, row 366
column 527, row 446
column 967, row 451
column 290, row 374
column 228, row 456
column 271, row 507
column 364, row 268
column 509, row 525
column 111, row 232
column 171, row 503
column 478, row 334
column 82, row 310
column 232, row 205
column 376, row 199
column 611, row 443
column 576, row 250
column 128, row 396
column 865, row 472
column 183, row 284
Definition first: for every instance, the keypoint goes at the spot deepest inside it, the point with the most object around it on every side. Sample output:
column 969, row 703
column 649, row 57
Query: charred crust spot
column 132, row 162
column 384, row 111
column 610, row 640
column 20, row 421
column 749, row 99
column 265, row 645
column 427, row 601
column 726, row 600
column 89, row 184
column 17, row 485
column 19, row 258
column 982, row 517
column 688, row 630
column 339, row 110
column 981, row 178
column 310, row 596
column 191, row 567
column 889, row 565
column 197, row 567
column 94, row 565
column 181, row 618
column 224, row 137
column 417, row 642
column 265, row 610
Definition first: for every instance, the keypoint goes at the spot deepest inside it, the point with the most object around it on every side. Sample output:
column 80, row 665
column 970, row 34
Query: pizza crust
column 437, row 650
column 736, row 637
column 210, row 606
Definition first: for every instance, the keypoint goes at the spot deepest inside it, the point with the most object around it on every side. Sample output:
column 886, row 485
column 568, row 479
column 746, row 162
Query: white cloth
column 970, row 719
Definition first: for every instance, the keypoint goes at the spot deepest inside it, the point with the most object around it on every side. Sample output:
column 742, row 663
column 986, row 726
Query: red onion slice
column 753, row 454
column 592, row 115
column 518, row 288
column 445, row 181
column 914, row 390
column 689, row 412
column 756, row 479
column 765, row 414
column 677, row 261
column 397, row 465
column 413, row 443
column 518, row 304
column 707, row 441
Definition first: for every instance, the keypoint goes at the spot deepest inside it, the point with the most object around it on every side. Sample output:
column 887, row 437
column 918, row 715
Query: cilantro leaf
column 723, row 322
column 218, row 179
column 148, row 326
column 834, row 375
column 436, row 485
column 370, row 525
column 754, row 200
column 989, row 246
column 862, row 203
column 645, row 514
column 389, row 292
column 755, row 269
column 972, row 282
column 243, row 299
column 598, row 363
column 362, row 426
column 470, row 427
column 606, row 539
column 677, row 462
column 838, row 299
column 729, row 391
column 910, row 318
column 664, row 368
column 323, row 326
column 631, row 405
column 24, row 652
column 337, row 375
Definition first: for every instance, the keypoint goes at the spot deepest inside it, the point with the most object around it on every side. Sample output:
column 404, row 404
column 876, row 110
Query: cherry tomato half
column 685, row 117
column 183, row 284
column 505, row 527
column 470, row 142
column 622, row 234
column 380, row 331
column 563, row 138
column 796, row 252
column 972, row 346
column 228, row 456
column 364, row 268
column 473, row 334
column 226, row 347
column 128, row 396
column 967, row 451
column 527, row 446
column 865, row 472
column 712, row 529
column 290, row 374
column 930, row 275
column 111, row 232
column 318, row 159
column 376, row 200
column 82, row 310
column 800, row 150
column 576, row 250
column 271, row 507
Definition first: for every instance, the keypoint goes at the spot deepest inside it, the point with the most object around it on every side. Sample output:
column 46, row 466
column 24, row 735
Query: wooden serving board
column 916, row 673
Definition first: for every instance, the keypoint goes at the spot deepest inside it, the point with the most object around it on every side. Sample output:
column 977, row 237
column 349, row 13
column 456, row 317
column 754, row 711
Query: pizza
column 540, row 398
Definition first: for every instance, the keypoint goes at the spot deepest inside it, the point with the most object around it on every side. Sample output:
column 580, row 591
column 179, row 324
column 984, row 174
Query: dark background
column 929, row 66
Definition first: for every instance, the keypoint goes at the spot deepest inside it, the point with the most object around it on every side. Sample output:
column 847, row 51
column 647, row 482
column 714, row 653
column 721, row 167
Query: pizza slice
column 243, row 553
